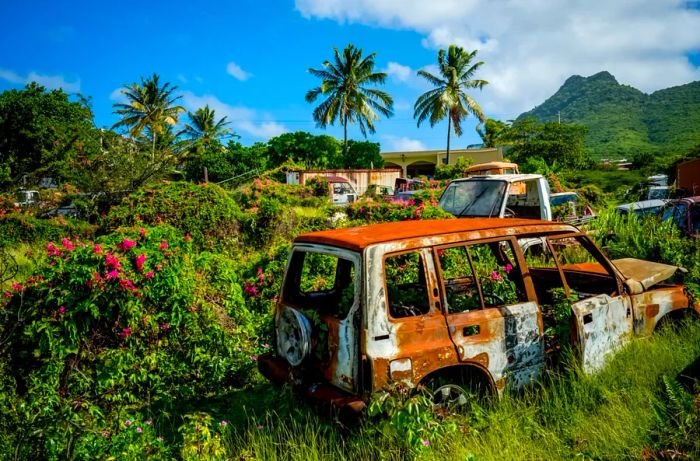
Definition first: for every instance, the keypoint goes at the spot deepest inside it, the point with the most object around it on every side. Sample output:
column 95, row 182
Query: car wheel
column 293, row 336
column 450, row 397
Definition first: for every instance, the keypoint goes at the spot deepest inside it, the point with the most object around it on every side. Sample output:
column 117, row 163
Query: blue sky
column 249, row 59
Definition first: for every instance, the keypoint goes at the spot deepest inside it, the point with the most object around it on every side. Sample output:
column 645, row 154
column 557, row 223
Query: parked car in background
column 379, row 190
column 503, row 195
column 492, row 168
column 341, row 190
column 642, row 208
column 405, row 188
column 27, row 198
column 453, row 305
column 685, row 214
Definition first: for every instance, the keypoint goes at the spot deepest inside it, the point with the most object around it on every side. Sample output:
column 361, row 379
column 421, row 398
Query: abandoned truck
column 452, row 304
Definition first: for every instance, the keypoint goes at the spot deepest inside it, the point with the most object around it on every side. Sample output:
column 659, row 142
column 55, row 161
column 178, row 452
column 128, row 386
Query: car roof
column 695, row 199
column 358, row 238
column 501, row 177
column 487, row 165
column 643, row 204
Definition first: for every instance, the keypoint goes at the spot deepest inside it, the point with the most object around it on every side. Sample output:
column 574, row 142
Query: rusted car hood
column 641, row 275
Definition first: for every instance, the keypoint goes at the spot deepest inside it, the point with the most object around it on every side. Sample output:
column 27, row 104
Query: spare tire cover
column 293, row 336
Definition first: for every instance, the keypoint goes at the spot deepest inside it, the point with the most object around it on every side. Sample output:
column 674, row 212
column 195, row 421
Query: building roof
column 490, row 165
column 358, row 238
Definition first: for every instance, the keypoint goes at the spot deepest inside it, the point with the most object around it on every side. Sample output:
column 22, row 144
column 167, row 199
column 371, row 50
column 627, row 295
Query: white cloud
column 117, row 95
column 242, row 119
column 49, row 81
column 399, row 71
column 530, row 48
column 237, row 72
column 402, row 144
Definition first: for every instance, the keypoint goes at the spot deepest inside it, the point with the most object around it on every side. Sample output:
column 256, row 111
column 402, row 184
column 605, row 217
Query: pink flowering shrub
column 119, row 323
column 370, row 211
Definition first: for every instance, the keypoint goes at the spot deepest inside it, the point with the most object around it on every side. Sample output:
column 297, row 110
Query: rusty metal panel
column 603, row 325
column 651, row 306
column 688, row 176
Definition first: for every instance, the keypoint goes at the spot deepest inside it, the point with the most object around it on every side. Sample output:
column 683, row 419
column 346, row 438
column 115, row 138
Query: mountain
column 622, row 120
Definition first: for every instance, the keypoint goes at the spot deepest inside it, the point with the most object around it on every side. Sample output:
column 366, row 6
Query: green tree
column 556, row 143
column 346, row 86
column 43, row 133
column 204, row 130
column 449, row 97
column 150, row 107
column 363, row 154
column 491, row 132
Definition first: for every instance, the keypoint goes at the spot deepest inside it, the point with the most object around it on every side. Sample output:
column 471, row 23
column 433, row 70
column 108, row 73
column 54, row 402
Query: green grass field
column 566, row 416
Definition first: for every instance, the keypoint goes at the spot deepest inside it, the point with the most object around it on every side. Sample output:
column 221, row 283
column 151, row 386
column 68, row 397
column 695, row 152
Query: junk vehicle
column 500, row 196
column 453, row 305
column 405, row 189
column 481, row 169
column 360, row 178
column 685, row 213
column 642, row 208
column 26, row 198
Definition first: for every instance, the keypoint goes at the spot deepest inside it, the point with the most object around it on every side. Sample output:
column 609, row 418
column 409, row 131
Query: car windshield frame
column 476, row 190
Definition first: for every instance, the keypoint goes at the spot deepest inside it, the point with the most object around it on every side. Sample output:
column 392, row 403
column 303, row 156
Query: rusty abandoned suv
column 453, row 304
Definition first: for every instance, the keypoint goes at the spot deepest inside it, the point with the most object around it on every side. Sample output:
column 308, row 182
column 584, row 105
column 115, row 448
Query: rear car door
column 491, row 321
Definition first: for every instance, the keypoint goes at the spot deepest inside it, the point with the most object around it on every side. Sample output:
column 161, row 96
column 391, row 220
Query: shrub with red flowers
column 369, row 211
column 133, row 322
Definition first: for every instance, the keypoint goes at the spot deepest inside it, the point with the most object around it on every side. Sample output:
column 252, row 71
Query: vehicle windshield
column 562, row 199
column 475, row 198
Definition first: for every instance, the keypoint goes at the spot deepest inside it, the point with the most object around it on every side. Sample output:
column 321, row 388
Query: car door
column 602, row 311
column 491, row 320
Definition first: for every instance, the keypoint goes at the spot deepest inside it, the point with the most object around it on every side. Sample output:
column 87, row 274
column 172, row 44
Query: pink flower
column 17, row 286
column 125, row 333
column 425, row 443
column 127, row 284
column 508, row 268
column 159, row 267
column 165, row 327
column 105, row 434
column 149, row 275
column 113, row 274
column 52, row 250
column 265, row 346
column 254, row 358
column 140, row 259
column 223, row 423
column 127, row 245
column 142, row 231
column 139, row 430
column 193, row 308
column 496, row 276
column 97, row 249
column 7, row 294
column 187, row 237
column 149, row 422
column 127, row 423
column 163, row 245
column 67, row 244
column 112, row 261
column 62, row 310
column 261, row 274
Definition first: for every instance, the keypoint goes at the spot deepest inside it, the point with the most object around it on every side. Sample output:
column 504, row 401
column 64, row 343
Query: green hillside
column 622, row 120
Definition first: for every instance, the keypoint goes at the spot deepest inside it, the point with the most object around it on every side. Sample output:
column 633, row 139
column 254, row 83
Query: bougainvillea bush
column 370, row 211
column 205, row 211
column 130, row 327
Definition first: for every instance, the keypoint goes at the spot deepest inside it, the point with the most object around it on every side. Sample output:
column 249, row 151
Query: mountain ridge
column 623, row 120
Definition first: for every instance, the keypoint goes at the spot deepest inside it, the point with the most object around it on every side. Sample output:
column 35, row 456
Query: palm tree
column 449, row 98
column 345, row 83
column 205, row 128
column 149, row 107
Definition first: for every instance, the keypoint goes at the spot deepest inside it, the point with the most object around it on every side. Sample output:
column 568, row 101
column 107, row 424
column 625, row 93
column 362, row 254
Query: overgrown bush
column 205, row 211
column 130, row 326
column 17, row 228
column 368, row 211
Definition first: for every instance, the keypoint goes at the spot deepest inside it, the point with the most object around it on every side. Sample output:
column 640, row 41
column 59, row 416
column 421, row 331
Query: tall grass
column 568, row 415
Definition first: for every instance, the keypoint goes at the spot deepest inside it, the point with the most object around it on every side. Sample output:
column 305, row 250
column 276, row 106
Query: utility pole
column 559, row 116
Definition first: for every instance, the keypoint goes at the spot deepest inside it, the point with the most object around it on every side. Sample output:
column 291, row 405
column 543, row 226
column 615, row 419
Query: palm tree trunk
column 449, row 129
column 345, row 138
column 153, row 148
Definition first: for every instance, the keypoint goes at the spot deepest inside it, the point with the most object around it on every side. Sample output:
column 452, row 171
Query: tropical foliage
column 348, row 96
column 449, row 98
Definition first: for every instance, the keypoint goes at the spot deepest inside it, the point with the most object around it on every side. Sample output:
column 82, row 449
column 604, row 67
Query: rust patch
column 652, row 310
column 482, row 359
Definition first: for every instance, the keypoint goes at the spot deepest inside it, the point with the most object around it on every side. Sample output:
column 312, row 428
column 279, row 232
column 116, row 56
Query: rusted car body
column 685, row 213
column 451, row 303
